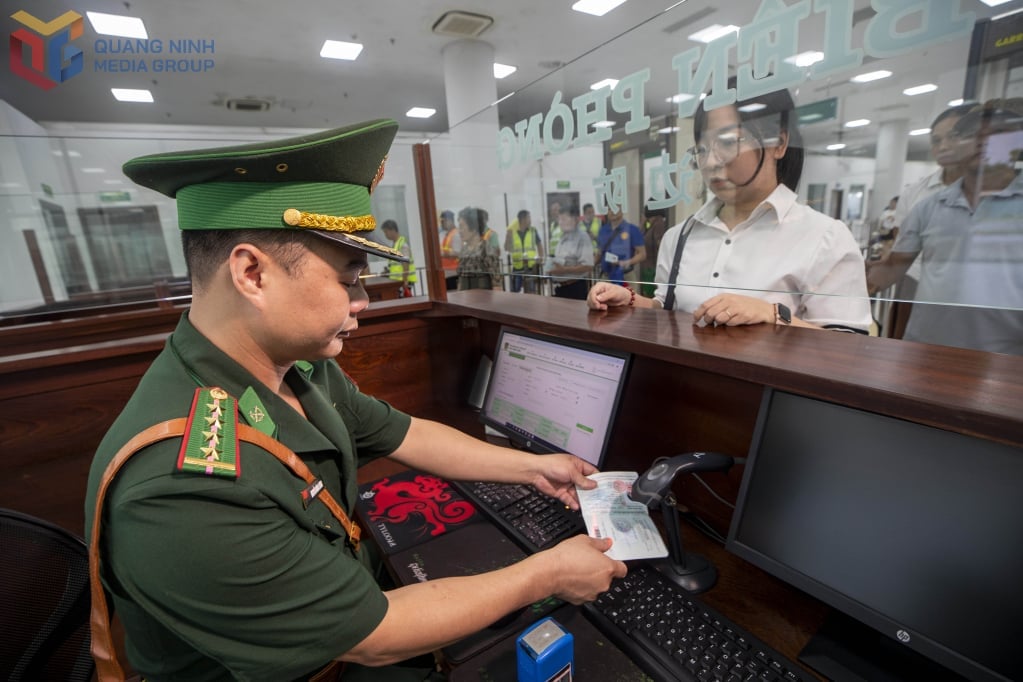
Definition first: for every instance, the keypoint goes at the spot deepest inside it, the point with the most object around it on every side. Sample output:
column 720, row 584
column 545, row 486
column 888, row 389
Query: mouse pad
column 409, row 508
column 469, row 550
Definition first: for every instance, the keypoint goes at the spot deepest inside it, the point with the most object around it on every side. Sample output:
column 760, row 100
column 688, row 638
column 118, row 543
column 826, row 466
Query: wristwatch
column 782, row 314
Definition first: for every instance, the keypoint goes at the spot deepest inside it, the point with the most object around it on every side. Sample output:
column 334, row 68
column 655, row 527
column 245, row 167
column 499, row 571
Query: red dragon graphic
column 427, row 496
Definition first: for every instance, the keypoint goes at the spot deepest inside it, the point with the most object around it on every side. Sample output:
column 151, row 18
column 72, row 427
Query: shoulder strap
column 669, row 299
column 108, row 668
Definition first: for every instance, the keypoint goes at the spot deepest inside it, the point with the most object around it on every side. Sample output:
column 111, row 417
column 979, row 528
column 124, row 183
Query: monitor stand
column 846, row 650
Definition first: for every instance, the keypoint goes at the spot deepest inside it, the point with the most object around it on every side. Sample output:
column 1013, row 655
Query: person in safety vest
column 525, row 251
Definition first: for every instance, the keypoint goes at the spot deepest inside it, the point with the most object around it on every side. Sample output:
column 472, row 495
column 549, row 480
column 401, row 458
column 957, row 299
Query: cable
column 711, row 491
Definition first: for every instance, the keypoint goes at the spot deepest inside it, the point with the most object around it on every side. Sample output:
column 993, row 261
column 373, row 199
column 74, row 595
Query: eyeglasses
column 725, row 146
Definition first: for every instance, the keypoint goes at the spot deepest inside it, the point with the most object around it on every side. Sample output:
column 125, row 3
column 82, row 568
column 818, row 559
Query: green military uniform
column 217, row 578
column 221, row 571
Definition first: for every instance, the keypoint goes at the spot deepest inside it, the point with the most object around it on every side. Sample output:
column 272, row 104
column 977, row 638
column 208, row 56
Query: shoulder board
column 210, row 443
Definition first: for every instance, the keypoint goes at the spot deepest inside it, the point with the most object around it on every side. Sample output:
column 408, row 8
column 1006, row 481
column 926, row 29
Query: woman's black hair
column 958, row 111
column 475, row 218
column 776, row 115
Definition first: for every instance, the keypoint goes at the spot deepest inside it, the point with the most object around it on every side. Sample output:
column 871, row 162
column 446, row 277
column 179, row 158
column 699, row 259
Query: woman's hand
column 734, row 310
column 604, row 295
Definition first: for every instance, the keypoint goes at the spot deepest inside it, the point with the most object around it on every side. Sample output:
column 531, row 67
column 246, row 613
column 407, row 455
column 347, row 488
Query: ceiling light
column 503, row 70
column 130, row 95
column 919, row 131
column 113, row 182
column 681, row 97
column 117, row 25
column 999, row 17
column 994, row 3
column 956, row 102
column 669, row 129
column 713, row 32
column 835, row 147
column 420, row 112
column 804, row 59
column 92, row 170
column 604, row 124
column 920, row 89
column 870, row 76
column 750, row 108
column 339, row 49
column 597, row 8
column 609, row 82
column 858, row 123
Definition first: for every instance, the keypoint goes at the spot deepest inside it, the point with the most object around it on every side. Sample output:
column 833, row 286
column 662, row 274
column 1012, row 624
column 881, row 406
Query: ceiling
column 270, row 51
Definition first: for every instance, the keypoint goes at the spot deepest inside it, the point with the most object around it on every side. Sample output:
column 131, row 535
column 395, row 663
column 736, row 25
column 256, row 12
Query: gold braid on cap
column 332, row 223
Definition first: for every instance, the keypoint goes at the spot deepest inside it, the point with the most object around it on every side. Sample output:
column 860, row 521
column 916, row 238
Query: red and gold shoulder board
column 210, row 443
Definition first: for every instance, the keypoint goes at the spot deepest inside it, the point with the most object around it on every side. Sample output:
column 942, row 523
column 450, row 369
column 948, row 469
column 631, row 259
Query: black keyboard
column 674, row 636
column 534, row 520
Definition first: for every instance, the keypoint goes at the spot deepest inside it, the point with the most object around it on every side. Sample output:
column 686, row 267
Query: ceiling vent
column 247, row 104
column 462, row 24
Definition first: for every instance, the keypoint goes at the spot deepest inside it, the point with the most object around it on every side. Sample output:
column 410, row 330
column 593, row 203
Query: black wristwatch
column 782, row 314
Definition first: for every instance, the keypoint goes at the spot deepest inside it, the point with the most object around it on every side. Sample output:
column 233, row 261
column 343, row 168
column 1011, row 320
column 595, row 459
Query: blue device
column 545, row 653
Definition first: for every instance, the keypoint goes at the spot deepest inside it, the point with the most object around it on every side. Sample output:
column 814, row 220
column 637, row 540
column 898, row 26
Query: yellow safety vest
column 396, row 270
column 523, row 249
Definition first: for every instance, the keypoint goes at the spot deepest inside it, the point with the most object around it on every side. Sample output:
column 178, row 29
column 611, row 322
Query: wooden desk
column 381, row 288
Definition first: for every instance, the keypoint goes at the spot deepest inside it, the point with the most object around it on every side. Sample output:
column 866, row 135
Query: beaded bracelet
column 632, row 294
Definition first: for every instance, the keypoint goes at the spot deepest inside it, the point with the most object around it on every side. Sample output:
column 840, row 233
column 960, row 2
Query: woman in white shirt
column 752, row 254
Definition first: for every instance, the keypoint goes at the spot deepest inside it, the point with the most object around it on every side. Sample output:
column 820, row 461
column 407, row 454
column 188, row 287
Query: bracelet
column 632, row 294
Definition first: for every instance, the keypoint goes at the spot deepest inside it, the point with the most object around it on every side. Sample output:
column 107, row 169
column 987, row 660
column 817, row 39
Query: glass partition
column 855, row 162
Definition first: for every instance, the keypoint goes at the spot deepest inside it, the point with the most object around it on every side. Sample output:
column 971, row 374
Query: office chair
column 44, row 601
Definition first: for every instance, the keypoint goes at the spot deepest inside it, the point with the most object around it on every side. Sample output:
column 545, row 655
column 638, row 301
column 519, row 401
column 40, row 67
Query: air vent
column 462, row 24
column 247, row 104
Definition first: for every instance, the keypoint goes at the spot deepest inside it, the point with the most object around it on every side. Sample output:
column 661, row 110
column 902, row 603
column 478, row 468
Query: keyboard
column 672, row 636
column 532, row 519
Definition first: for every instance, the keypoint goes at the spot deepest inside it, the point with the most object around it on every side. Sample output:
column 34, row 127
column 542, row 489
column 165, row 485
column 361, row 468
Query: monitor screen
column 552, row 395
column 912, row 530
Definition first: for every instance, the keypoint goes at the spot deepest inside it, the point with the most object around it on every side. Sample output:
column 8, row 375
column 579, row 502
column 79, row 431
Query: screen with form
column 913, row 530
column 552, row 395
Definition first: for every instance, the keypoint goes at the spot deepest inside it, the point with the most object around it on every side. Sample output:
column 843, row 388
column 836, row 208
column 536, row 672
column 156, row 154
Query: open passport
column 609, row 513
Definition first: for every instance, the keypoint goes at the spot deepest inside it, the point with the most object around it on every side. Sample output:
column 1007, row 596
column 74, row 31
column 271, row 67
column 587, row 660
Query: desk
column 380, row 288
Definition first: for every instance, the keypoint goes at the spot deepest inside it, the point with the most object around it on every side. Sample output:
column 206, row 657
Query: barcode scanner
column 655, row 483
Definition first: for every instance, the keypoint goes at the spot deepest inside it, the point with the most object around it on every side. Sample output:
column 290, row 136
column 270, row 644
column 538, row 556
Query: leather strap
column 108, row 668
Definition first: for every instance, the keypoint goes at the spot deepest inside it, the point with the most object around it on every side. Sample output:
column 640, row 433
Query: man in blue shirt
column 620, row 245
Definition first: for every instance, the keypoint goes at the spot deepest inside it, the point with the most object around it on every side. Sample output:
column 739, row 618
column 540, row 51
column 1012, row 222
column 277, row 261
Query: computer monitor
column 553, row 395
column 911, row 530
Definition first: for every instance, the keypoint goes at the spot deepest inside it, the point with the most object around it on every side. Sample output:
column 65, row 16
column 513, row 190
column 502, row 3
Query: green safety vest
column 523, row 249
column 397, row 270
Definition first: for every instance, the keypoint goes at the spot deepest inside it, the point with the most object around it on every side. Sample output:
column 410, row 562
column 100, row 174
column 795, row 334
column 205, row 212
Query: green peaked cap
column 319, row 183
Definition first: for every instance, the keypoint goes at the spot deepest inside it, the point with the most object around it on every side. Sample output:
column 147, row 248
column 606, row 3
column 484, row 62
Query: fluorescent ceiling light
column 420, row 112
column 684, row 97
column 999, row 17
column 130, row 95
column 858, row 123
column 339, row 49
column 604, row 124
column 870, row 76
column 750, row 108
column 994, row 3
column 597, row 8
column 919, row 131
column 956, row 102
column 712, row 33
column 669, row 129
column 117, row 25
column 920, row 89
column 835, row 147
column 810, row 117
column 92, row 170
column 804, row 59
column 503, row 70
column 609, row 82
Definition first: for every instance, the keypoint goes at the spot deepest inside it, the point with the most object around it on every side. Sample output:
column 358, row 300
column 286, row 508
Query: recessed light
column 994, row 3
column 597, row 8
column 920, row 89
column 117, row 25
column 919, row 131
column 339, row 49
column 130, row 95
column 712, row 33
column 420, row 112
column 871, row 76
column 604, row 124
column 667, row 130
column 750, row 108
column 92, row 170
column 858, row 123
column 609, row 82
column 503, row 70
column 835, row 147
column 804, row 59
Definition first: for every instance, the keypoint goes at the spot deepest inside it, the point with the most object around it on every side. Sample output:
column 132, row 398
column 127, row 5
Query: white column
column 890, row 160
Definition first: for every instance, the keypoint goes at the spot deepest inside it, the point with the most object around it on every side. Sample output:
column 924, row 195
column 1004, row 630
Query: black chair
column 44, row 601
